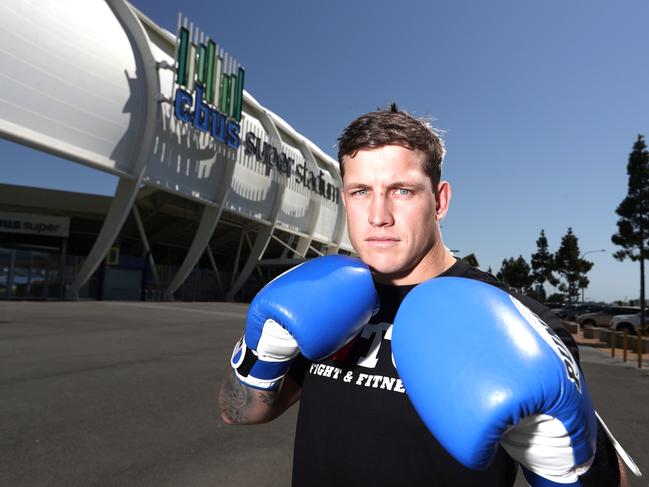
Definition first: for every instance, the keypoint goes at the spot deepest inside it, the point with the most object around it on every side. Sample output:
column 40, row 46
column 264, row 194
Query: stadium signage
column 272, row 157
column 209, row 89
column 32, row 224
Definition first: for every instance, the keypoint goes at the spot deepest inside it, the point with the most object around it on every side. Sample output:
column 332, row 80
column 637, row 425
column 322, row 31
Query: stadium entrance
column 30, row 274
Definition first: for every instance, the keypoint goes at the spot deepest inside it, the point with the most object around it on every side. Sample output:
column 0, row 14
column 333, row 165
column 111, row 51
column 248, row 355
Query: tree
column 516, row 274
column 556, row 298
column 570, row 266
column 633, row 225
column 543, row 263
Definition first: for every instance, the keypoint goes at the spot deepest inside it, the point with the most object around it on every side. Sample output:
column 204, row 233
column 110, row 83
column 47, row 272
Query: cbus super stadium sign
column 209, row 93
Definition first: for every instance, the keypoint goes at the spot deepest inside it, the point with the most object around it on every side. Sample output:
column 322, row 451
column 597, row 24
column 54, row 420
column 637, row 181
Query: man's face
column 392, row 213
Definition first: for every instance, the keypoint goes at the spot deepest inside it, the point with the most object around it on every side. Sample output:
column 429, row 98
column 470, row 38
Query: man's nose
column 380, row 211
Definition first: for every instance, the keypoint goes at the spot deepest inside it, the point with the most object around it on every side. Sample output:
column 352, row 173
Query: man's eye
column 403, row 192
column 360, row 192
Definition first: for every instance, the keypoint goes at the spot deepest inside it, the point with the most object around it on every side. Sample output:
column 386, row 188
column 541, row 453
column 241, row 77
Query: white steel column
column 209, row 220
column 264, row 234
column 341, row 220
column 127, row 188
column 219, row 281
column 335, row 172
column 235, row 266
column 304, row 243
column 147, row 247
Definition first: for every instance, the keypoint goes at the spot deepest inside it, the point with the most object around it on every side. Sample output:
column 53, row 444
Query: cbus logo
column 209, row 92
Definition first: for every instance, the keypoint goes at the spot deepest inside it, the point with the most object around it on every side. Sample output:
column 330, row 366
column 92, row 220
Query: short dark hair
column 394, row 127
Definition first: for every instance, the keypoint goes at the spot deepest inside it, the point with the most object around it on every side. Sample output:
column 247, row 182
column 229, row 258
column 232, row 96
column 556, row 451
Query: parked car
column 604, row 316
column 630, row 323
column 570, row 313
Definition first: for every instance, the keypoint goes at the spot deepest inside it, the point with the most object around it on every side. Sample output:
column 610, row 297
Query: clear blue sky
column 540, row 101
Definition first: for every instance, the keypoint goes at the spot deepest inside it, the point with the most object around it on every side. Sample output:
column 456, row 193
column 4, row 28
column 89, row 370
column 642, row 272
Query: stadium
column 216, row 194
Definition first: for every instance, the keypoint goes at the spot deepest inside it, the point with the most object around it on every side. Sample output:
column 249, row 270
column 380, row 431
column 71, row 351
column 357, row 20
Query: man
column 356, row 425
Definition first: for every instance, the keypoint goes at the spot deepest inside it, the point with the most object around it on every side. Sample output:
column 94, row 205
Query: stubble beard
column 402, row 266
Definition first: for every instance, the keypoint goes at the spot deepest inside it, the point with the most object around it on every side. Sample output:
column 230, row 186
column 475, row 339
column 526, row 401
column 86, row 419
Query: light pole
column 581, row 257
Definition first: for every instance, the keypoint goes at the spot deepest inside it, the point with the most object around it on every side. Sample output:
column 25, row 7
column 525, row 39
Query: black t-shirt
column 357, row 427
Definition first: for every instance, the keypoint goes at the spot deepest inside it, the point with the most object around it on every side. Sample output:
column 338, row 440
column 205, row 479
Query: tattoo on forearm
column 267, row 397
column 233, row 398
column 236, row 399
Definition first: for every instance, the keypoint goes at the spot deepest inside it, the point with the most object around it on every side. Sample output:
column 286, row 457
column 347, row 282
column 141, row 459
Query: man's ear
column 443, row 200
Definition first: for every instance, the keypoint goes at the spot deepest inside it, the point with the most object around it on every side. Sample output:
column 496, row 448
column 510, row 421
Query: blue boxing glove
column 316, row 308
column 481, row 369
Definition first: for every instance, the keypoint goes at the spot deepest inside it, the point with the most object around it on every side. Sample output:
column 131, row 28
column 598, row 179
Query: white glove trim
column 276, row 344
column 542, row 444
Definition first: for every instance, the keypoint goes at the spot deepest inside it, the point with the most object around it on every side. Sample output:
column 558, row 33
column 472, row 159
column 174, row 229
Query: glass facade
column 30, row 274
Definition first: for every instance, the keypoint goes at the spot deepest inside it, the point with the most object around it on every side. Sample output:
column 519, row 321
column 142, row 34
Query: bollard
column 640, row 347
column 625, row 344
column 613, row 335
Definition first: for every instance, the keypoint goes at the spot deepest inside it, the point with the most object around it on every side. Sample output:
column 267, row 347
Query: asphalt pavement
column 124, row 394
